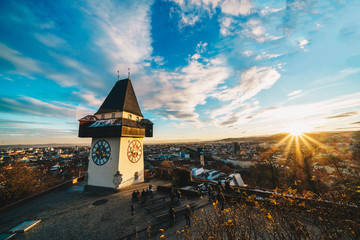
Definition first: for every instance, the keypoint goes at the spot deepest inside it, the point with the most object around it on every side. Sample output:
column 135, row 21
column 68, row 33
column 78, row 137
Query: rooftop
column 121, row 98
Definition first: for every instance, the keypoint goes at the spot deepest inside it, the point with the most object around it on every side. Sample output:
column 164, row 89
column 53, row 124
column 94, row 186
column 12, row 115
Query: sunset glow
column 296, row 129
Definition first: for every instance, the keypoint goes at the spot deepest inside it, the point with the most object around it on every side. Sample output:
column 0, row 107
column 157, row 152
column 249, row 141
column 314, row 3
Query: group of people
column 175, row 196
column 136, row 196
column 188, row 214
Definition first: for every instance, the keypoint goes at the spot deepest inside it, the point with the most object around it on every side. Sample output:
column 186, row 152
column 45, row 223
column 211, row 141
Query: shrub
column 181, row 177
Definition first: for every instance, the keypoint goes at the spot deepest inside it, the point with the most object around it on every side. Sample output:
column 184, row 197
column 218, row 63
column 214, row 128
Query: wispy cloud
column 226, row 26
column 303, row 43
column 191, row 12
column 236, row 7
column 248, row 53
column 253, row 81
column 265, row 55
column 50, row 40
column 254, row 29
column 35, row 107
column 7, row 121
column 176, row 94
column 296, row 92
column 338, row 76
column 125, row 37
column 343, row 115
column 312, row 114
column 90, row 98
column 19, row 61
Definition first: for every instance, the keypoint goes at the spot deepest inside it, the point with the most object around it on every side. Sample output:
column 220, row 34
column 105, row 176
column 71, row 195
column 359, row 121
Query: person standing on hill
column 187, row 215
column 172, row 214
column 132, row 210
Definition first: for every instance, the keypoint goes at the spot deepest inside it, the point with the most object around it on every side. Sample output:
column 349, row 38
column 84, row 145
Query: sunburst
column 296, row 128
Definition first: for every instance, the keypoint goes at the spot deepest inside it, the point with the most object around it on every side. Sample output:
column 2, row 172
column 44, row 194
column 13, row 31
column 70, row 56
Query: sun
column 296, row 129
column 296, row 132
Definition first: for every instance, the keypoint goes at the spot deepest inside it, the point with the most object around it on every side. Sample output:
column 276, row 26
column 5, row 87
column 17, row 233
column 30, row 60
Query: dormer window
column 102, row 116
column 130, row 116
column 113, row 115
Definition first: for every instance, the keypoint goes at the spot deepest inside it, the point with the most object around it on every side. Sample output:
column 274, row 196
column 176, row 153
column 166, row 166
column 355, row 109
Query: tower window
column 130, row 116
column 137, row 118
column 113, row 115
column 102, row 116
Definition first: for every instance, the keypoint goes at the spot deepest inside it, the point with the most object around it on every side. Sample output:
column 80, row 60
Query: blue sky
column 204, row 69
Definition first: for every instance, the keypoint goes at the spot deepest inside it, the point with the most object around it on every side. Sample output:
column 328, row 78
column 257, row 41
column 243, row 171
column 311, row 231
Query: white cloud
column 226, row 27
column 297, row 4
column 50, row 40
column 21, row 63
column 253, row 81
column 254, row 29
column 9, row 79
column 267, row 56
column 47, row 25
column 64, row 80
column 236, row 7
column 268, row 10
column 296, row 92
column 312, row 114
column 201, row 47
column 303, row 43
column 35, row 107
column 158, row 60
column 124, row 31
column 193, row 11
column 90, row 98
column 176, row 94
column 248, row 53
column 76, row 65
column 340, row 75
column 189, row 19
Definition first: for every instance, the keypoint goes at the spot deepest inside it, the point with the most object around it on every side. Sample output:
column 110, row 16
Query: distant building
column 215, row 176
column 202, row 160
column 235, row 147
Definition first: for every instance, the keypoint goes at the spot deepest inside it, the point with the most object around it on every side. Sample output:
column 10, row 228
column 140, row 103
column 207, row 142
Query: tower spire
column 128, row 73
column 118, row 75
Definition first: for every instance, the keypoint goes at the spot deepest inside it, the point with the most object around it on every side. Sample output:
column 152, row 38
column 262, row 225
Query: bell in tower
column 117, row 130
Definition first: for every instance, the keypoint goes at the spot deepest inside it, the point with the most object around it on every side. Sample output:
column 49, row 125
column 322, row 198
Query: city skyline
column 207, row 69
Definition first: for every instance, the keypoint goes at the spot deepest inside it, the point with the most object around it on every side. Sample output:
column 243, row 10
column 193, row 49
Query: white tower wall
column 103, row 176
column 126, row 167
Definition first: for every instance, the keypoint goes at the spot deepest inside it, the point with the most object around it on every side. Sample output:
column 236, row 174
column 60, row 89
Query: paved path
column 72, row 214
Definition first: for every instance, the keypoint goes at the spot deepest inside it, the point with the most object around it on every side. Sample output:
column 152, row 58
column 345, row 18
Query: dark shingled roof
column 121, row 98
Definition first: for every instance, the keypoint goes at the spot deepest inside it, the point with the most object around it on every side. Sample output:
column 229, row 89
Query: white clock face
column 100, row 152
column 134, row 151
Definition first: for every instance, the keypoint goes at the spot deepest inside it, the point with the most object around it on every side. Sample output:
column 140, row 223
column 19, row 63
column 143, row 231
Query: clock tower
column 117, row 130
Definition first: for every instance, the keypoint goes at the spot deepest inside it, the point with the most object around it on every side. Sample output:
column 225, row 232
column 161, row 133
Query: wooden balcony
column 132, row 132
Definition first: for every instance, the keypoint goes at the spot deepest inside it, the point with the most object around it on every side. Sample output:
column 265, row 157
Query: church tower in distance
column 117, row 130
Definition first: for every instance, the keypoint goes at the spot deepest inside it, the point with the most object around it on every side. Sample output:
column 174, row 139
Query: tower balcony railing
column 132, row 132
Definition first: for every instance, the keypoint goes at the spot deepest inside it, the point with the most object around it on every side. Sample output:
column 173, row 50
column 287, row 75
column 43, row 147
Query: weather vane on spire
column 129, row 73
column 118, row 75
